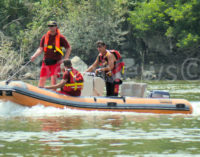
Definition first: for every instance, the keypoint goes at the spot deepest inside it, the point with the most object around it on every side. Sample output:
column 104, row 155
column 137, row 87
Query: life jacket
column 119, row 64
column 118, row 70
column 73, row 84
column 103, row 60
column 57, row 47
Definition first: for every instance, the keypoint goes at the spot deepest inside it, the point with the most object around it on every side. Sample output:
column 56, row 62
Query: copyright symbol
column 190, row 69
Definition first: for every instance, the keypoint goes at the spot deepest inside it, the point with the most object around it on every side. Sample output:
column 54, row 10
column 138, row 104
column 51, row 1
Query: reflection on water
column 40, row 131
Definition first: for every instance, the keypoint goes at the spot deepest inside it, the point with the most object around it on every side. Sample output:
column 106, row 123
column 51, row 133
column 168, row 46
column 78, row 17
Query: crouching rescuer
column 111, row 68
column 72, row 81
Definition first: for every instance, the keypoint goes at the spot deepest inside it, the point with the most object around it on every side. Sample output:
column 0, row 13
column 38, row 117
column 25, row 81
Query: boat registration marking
column 166, row 101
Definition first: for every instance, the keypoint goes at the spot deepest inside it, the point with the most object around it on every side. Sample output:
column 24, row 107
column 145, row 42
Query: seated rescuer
column 72, row 82
column 51, row 44
column 111, row 65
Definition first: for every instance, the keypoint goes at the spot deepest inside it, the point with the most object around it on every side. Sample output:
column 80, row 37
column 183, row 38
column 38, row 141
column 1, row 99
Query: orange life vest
column 75, row 81
column 57, row 43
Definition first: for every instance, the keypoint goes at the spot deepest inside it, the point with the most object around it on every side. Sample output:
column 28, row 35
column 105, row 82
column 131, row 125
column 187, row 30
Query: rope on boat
column 11, row 77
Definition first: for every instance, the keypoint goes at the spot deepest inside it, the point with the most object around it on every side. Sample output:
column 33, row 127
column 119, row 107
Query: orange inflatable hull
column 29, row 95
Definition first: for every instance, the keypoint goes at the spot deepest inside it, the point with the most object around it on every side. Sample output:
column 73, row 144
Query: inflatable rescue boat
column 28, row 95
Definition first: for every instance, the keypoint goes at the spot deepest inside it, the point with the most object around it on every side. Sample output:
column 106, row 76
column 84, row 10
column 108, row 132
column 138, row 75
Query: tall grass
column 10, row 60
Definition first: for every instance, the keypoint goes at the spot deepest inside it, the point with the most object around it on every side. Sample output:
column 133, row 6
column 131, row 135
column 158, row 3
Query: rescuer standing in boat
column 111, row 65
column 51, row 44
column 72, row 82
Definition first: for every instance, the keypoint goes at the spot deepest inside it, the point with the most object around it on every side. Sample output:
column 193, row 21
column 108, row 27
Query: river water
column 40, row 131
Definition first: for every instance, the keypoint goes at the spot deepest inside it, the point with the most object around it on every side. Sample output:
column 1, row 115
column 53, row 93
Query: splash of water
column 196, row 108
column 9, row 109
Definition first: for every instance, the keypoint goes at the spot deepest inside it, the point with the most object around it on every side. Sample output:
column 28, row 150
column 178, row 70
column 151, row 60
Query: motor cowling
column 159, row 94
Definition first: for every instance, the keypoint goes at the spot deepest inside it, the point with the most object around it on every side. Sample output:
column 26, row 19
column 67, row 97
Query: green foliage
column 176, row 19
column 185, row 23
column 156, row 30
column 149, row 17
column 14, row 16
column 92, row 21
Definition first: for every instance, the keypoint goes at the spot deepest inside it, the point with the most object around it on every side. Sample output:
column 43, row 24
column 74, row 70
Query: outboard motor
column 159, row 94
